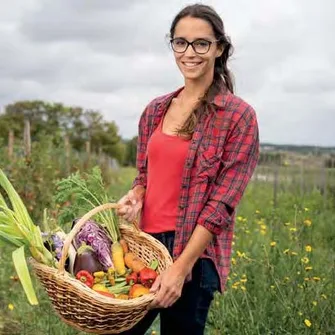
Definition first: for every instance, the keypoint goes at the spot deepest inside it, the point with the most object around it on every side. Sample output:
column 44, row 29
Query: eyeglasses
column 200, row 46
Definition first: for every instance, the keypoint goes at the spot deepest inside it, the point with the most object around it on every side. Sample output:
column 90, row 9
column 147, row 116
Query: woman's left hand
column 168, row 286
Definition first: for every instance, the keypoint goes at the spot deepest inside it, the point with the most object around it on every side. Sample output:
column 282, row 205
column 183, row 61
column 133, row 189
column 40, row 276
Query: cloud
column 113, row 56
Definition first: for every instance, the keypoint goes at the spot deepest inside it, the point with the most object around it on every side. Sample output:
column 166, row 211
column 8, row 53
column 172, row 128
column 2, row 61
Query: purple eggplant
column 86, row 259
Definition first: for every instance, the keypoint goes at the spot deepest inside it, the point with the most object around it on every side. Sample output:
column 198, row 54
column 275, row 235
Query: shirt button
column 183, row 186
column 182, row 206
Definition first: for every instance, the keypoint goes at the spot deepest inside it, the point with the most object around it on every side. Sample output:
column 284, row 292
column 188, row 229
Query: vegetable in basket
column 95, row 237
column 86, row 192
column 86, row 259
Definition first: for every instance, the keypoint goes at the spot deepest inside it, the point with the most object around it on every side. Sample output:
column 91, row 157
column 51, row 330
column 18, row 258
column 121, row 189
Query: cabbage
column 96, row 237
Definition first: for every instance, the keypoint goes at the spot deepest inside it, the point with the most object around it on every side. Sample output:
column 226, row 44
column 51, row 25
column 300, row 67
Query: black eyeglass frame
column 191, row 44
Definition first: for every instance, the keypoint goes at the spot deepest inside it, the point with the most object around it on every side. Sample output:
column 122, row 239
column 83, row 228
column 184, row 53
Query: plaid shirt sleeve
column 240, row 157
column 141, row 160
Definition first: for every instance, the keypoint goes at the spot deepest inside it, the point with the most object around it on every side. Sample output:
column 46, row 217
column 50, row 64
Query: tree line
column 79, row 125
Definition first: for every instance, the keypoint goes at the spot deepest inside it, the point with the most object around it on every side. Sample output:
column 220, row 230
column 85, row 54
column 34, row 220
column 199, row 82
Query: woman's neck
column 196, row 89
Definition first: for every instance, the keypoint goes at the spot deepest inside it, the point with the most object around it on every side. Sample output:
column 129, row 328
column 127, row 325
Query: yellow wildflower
column 243, row 280
column 308, row 223
column 247, row 231
column 306, row 279
column 10, row 307
column 272, row 287
column 257, row 211
column 300, row 286
column 286, row 251
column 293, row 229
column 240, row 218
column 244, row 220
column 308, row 323
column 234, row 274
column 287, row 279
column 314, row 303
column 273, row 244
column 300, row 314
column 306, row 209
column 243, row 288
column 324, row 296
column 233, row 243
column 287, row 224
column 240, row 254
column 263, row 227
column 305, row 260
column 308, row 248
column 293, row 253
column 263, row 232
column 233, row 261
column 316, row 278
column 308, row 268
column 298, row 272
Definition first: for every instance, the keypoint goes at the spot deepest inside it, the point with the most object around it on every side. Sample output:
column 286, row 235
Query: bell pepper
column 85, row 277
column 138, row 290
column 100, row 287
column 147, row 277
column 98, row 276
column 132, row 278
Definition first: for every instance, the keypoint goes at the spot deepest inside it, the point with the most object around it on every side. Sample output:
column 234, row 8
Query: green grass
column 271, row 287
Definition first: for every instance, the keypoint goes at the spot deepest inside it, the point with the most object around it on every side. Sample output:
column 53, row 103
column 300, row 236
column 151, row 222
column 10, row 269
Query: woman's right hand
column 131, row 205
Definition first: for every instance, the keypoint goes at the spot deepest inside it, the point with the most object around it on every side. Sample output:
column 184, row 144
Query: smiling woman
column 197, row 150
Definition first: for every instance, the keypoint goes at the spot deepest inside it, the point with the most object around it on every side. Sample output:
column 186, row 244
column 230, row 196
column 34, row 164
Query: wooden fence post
column 27, row 140
column 10, row 144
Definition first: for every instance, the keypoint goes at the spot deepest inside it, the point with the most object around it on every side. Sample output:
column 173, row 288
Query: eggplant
column 86, row 259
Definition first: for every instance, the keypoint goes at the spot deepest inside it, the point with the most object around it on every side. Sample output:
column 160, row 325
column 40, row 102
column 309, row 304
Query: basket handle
column 77, row 227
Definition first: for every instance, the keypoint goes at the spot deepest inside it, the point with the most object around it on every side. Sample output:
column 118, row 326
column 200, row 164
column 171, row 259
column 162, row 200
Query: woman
column 197, row 150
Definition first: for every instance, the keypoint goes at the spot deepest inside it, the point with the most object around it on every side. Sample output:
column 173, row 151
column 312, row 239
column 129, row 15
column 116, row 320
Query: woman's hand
column 169, row 285
column 131, row 204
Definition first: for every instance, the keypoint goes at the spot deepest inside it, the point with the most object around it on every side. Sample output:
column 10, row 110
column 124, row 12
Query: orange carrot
column 133, row 262
column 124, row 246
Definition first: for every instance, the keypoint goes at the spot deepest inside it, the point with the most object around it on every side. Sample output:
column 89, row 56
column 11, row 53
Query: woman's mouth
column 191, row 65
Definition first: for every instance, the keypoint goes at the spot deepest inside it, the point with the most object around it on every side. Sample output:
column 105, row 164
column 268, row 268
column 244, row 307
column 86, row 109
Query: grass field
column 282, row 279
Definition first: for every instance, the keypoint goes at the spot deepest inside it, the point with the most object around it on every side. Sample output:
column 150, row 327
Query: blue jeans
column 189, row 313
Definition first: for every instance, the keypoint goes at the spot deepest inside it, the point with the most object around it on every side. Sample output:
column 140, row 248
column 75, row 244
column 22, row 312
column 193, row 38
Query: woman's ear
column 219, row 51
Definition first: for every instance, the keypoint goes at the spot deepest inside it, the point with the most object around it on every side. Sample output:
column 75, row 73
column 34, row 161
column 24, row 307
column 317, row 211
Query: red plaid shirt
column 222, row 157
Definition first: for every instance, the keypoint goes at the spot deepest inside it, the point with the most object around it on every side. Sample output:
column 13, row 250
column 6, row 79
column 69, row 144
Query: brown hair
column 221, row 73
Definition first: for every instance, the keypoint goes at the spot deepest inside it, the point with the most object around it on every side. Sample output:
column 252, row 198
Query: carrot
column 124, row 246
column 133, row 262
column 118, row 260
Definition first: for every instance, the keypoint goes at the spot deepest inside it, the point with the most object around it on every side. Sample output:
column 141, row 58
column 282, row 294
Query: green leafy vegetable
column 84, row 192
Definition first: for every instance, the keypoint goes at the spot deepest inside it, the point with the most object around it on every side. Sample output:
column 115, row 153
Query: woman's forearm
column 195, row 247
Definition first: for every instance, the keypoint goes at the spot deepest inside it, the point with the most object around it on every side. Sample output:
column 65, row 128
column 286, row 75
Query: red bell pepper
column 85, row 277
column 132, row 278
column 147, row 277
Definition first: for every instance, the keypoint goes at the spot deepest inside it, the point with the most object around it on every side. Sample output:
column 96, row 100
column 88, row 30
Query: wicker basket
column 83, row 308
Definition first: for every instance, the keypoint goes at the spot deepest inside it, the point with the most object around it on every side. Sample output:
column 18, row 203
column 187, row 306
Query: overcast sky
column 111, row 55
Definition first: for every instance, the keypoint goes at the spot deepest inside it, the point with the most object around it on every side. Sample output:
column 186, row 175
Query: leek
column 22, row 271
column 18, row 229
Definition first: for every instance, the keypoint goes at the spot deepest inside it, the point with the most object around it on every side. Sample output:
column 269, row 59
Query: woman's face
column 193, row 65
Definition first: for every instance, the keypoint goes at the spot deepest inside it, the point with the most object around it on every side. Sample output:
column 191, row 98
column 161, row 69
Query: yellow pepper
column 99, row 274
column 100, row 287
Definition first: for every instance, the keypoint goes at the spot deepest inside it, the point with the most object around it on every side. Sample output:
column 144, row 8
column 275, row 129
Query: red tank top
column 166, row 158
